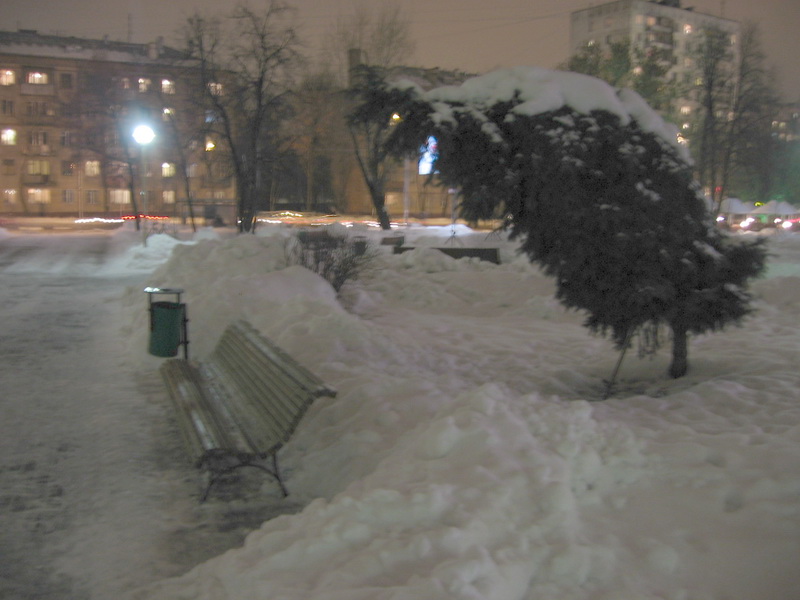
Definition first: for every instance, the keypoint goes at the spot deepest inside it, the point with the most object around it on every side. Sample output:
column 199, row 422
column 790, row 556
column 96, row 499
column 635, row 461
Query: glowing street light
column 143, row 134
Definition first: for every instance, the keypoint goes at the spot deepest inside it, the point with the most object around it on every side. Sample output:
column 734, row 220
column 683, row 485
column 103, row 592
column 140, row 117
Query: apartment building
column 68, row 110
column 663, row 25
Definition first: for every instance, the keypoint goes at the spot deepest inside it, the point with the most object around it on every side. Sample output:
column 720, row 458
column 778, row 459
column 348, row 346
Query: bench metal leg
column 276, row 473
column 220, row 473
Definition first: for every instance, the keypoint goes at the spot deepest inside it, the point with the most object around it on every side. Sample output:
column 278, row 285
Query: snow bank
column 464, row 456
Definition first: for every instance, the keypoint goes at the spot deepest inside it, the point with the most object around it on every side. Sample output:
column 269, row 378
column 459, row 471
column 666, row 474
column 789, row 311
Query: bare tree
column 318, row 122
column 104, row 113
column 754, row 106
column 738, row 104
column 183, row 131
column 246, row 63
column 370, row 123
column 361, row 49
column 381, row 34
column 715, row 92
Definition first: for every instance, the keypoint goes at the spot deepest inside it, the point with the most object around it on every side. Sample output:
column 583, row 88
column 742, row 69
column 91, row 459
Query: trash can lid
column 158, row 290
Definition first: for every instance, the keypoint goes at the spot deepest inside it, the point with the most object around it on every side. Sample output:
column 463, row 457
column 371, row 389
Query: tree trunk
column 383, row 218
column 379, row 202
column 680, row 362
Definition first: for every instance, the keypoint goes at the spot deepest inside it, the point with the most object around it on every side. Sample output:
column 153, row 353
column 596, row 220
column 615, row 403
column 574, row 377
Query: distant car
column 791, row 225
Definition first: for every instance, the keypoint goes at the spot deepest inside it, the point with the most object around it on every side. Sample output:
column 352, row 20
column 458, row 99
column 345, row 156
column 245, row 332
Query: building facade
column 677, row 33
column 68, row 110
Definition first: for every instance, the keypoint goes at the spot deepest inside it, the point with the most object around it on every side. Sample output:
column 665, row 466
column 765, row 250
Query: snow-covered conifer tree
column 589, row 180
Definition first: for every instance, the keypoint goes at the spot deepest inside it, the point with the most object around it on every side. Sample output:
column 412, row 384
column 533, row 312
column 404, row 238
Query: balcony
column 39, row 150
column 38, row 89
column 43, row 120
column 38, row 180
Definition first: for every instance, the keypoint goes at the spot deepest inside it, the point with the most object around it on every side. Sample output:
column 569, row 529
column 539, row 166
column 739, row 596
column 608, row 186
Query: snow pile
column 464, row 456
column 130, row 254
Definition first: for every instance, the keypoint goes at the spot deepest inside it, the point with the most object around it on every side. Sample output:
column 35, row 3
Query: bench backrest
column 268, row 392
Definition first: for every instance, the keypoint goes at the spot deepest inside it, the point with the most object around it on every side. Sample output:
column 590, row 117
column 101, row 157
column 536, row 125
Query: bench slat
column 259, row 377
column 199, row 428
column 290, row 366
column 261, row 433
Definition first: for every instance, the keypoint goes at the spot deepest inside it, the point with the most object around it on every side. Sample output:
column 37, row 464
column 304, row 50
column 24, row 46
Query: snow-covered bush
column 337, row 258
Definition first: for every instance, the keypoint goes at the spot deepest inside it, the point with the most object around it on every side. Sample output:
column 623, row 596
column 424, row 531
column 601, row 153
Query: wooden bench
column 241, row 405
column 394, row 240
column 488, row 254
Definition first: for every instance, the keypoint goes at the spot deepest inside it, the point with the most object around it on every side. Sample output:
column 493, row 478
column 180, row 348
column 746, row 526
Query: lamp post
column 143, row 135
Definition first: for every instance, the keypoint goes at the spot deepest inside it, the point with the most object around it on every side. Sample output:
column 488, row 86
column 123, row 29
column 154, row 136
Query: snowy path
column 95, row 495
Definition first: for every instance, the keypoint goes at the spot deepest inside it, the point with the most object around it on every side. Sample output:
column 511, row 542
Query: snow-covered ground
column 467, row 456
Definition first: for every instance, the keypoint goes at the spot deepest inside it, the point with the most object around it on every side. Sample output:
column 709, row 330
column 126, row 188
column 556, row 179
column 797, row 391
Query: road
column 96, row 497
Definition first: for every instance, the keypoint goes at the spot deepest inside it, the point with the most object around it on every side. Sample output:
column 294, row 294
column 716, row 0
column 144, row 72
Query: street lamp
column 143, row 135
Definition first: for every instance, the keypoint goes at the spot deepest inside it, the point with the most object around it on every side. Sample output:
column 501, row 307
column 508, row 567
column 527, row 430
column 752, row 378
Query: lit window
column 8, row 137
column 651, row 21
column 38, row 167
column 39, row 196
column 686, row 110
column 687, row 29
column 167, row 86
column 9, row 196
column 215, row 89
column 637, row 70
column 92, row 168
column 125, row 83
column 210, row 145
column 119, row 196
column 37, row 78
column 168, row 170
column 168, row 196
column 145, row 84
column 168, row 114
column 7, row 77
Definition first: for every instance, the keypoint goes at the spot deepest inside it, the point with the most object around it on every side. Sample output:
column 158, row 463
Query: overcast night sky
column 472, row 35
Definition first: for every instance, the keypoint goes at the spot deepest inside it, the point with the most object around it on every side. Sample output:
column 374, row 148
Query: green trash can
column 166, row 327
